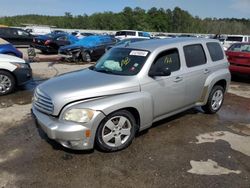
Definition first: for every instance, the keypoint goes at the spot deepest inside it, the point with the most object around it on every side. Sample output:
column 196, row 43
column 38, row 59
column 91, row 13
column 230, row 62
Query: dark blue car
column 87, row 49
column 9, row 49
column 50, row 43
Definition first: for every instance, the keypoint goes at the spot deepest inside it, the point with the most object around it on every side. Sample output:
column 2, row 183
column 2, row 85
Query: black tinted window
column 167, row 59
column 215, row 51
column 3, row 31
column 194, row 55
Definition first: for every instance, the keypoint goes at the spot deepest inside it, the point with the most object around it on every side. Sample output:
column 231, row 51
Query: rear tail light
column 47, row 42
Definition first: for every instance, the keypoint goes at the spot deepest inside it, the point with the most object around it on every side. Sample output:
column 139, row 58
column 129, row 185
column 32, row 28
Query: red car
column 239, row 58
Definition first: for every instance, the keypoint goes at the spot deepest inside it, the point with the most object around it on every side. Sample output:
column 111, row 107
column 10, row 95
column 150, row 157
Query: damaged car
column 87, row 49
column 50, row 43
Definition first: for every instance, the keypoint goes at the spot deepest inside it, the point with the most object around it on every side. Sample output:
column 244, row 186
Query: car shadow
column 195, row 110
column 67, row 156
column 241, row 78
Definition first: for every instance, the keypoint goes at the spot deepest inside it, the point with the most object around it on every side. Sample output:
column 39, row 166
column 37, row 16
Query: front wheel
column 116, row 131
column 86, row 57
column 215, row 100
column 7, row 83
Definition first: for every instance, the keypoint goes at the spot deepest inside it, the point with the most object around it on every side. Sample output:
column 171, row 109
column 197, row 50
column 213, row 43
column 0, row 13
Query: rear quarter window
column 215, row 51
column 194, row 55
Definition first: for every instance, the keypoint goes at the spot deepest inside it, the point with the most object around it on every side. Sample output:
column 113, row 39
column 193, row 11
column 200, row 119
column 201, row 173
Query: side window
column 194, row 55
column 130, row 33
column 22, row 33
column 140, row 34
column 215, row 51
column 63, row 38
column 167, row 59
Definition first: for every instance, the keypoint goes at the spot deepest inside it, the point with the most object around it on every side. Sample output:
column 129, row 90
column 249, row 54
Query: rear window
column 215, row 51
column 125, row 33
column 194, row 55
column 235, row 39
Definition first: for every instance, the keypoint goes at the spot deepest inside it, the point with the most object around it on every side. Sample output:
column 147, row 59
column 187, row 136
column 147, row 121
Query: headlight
column 20, row 65
column 78, row 115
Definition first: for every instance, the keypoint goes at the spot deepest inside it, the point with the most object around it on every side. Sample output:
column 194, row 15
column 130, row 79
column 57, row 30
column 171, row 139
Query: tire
column 215, row 100
column 7, row 83
column 86, row 57
column 116, row 131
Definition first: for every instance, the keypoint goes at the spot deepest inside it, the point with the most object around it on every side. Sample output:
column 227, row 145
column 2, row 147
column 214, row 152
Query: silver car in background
column 130, row 88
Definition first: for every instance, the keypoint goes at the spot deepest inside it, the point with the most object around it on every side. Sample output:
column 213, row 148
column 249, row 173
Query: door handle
column 206, row 71
column 178, row 79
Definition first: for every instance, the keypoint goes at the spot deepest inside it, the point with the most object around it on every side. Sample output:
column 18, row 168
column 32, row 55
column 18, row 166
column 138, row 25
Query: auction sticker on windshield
column 138, row 53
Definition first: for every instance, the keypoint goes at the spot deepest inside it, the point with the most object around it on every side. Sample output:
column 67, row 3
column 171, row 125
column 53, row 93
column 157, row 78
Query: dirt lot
column 191, row 149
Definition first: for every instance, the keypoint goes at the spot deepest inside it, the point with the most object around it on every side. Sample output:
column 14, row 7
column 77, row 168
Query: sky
column 201, row 8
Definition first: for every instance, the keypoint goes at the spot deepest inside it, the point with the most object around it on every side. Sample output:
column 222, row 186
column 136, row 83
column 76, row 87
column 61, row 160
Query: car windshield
column 240, row 48
column 122, row 61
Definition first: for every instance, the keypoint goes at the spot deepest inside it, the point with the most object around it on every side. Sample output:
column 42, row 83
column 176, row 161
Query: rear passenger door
column 196, row 72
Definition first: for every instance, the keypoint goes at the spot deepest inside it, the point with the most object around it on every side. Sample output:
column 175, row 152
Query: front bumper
column 23, row 75
column 69, row 134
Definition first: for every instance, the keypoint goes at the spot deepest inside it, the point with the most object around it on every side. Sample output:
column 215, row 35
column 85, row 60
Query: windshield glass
column 122, row 61
column 240, row 48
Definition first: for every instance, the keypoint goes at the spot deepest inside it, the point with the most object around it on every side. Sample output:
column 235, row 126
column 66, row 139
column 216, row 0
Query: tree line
column 154, row 20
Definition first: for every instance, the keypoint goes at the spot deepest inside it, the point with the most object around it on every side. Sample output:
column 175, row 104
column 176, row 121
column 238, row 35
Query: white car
column 14, row 72
column 123, row 34
column 231, row 39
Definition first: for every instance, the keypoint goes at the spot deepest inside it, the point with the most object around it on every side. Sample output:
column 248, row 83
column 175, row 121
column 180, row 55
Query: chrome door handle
column 206, row 71
column 178, row 79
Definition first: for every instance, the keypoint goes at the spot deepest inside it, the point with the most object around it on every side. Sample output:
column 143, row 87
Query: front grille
column 43, row 102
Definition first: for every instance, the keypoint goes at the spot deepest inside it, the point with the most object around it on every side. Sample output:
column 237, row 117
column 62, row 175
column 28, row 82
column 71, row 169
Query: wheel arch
column 222, row 83
column 134, row 112
column 14, row 76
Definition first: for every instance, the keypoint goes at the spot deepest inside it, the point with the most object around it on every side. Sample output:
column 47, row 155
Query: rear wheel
column 215, row 100
column 116, row 131
column 7, row 83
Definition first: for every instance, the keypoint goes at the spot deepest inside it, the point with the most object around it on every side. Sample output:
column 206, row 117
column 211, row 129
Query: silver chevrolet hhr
column 129, row 88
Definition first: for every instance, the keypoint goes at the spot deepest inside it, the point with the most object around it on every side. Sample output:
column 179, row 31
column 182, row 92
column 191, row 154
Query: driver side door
column 168, row 92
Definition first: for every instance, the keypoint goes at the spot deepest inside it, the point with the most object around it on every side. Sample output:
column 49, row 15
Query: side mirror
column 164, row 72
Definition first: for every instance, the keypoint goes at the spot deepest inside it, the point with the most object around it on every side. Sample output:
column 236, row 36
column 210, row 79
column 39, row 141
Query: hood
column 86, row 84
column 10, row 58
column 9, row 48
